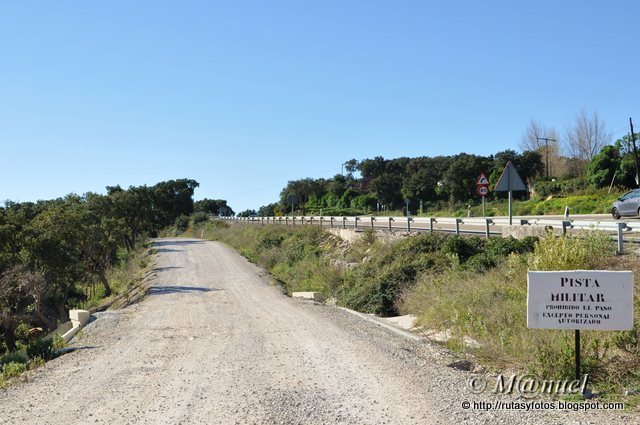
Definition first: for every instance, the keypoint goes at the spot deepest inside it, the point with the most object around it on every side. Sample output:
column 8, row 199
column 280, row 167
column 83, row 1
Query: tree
column 135, row 207
column 304, row 189
column 351, row 166
column 172, row 199
column 529, row 164
column 247, row 213
column 603, row 166
column 267, row 210
column 423, row 175
column 533, row 140
column 372, row 167
column 102, row 236
column 460, row 177
column 587, row 136
column 20, row 301
column 213, row 206
column 627, row 170
column 388, row 189
column 53, row 245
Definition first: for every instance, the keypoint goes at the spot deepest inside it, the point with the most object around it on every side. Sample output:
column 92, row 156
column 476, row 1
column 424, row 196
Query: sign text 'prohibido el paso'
column 580, row 299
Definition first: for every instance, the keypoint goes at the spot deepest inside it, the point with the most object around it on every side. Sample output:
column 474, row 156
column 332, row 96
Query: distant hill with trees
column 580, row 161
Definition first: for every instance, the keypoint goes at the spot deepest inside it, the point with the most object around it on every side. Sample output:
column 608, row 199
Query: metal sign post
column 293, row 200
column 510, row 181
column 406, row 203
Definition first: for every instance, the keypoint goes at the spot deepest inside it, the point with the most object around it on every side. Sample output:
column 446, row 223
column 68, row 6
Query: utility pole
column 546, row 142
column 635, row 152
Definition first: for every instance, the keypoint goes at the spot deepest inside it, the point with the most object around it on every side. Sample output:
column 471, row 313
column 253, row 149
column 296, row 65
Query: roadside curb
column 379, row 322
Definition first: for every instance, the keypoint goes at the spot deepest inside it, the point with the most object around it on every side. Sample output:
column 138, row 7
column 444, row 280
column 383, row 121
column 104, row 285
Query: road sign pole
column 510, row 209
column 577, row 348
column 509, row 181
column 483, row 207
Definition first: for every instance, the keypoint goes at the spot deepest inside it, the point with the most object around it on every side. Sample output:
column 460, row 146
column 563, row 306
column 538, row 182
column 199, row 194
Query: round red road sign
column 483, row 190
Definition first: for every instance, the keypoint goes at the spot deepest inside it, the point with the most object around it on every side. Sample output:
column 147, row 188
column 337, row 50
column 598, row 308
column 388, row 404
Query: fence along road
column 622, row 231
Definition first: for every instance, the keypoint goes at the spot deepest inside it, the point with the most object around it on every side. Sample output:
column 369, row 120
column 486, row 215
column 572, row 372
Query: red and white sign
column 482, row 180
column 482, row 190
column 482, row 185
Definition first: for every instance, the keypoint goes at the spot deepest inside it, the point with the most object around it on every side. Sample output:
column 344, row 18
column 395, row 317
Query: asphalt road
column 215, row 342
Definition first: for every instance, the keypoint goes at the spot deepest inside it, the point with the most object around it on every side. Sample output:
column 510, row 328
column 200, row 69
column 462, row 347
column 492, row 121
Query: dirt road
column 215, row 342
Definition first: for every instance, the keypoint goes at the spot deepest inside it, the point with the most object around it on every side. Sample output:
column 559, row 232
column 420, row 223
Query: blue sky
column 245, row 95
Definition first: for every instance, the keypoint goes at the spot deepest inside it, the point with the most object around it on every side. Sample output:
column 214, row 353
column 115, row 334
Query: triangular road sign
column 482, row 180
column 510, row 180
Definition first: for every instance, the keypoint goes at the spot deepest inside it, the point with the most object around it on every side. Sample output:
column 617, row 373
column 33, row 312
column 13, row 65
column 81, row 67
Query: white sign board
column 580, row 299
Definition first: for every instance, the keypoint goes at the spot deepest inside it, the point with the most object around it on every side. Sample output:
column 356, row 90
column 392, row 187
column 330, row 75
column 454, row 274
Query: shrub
column 13, row 369
column 182, row 223
column 15, row 357
column 570, row 252
column 199, row 217
column 41, row 348
column 560, row 187
column 374, row 287
column 463, row 247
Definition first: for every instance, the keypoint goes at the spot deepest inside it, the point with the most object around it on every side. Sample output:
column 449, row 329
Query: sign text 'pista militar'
column 580, row 299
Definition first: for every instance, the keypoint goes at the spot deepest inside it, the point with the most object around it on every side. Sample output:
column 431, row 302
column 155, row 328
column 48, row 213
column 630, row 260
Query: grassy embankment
column 468, row 286
column 589, row 202
column 128, row 273
column 593, row 203
column 123, row 277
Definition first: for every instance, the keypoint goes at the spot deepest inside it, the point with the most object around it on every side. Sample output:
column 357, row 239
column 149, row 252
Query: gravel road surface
column 215, row 342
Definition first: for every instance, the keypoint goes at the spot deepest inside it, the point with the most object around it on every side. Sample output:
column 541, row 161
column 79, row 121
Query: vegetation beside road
column 595, row 202
column 468, row 286
column 76, row 252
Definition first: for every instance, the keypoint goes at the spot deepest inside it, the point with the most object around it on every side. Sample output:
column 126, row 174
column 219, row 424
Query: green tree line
column 48, row 249
column 385, row 183
column 446, row 181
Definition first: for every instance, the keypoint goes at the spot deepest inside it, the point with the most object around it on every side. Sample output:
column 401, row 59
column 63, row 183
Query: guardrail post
column 331, row 219
column 458, row 221
column 372, row 220
column 409, row 220
column 488, row 222
column 621, row 227
column 565, row 225
column 320, row 221
column 302, row 221
column 344, row 222
column 390, row 220
column 431, row 221
column 311, row 220
column 355, row 226
column 286, row 220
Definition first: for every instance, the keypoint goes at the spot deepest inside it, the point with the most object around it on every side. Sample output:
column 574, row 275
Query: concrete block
column 79, row 317
column 315, row 296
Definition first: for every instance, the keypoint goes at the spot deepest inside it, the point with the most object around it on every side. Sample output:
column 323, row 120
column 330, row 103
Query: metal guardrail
column 431, row 224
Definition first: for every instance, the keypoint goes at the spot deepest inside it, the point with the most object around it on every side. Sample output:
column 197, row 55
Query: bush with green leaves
column 13, row 369
column 199, row 217
column 570, row 252
column 182, row 223
column 18, row 356
column 490, row 306
column 42, row 348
